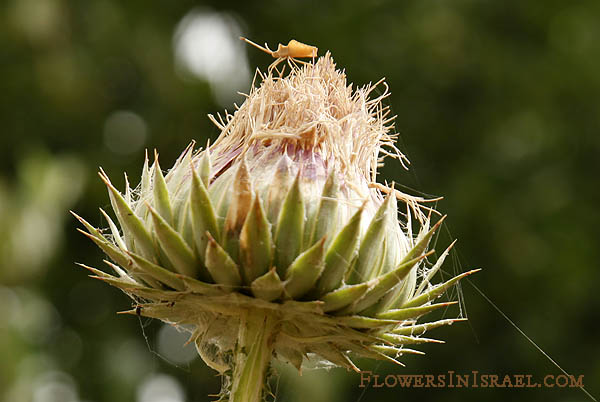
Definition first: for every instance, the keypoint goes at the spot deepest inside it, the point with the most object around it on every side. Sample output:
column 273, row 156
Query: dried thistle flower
column 277, row 241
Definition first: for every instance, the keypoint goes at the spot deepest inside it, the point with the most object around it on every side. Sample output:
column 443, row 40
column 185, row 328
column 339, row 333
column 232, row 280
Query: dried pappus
column 276, row 241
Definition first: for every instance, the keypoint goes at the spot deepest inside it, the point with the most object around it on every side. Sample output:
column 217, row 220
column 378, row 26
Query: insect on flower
column 292, row 50
column 276, row 242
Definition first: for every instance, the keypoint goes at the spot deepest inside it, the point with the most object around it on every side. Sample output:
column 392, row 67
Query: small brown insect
column 293, row 49
column 138, row 310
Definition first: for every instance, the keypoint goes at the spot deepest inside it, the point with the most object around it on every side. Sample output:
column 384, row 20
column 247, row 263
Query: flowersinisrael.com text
column 474, row 379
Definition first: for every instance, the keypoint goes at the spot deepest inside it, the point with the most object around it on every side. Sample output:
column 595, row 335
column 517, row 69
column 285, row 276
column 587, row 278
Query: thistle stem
column 252, row 357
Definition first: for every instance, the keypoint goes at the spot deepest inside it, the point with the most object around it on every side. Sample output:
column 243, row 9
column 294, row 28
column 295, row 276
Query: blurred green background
column 498, row 108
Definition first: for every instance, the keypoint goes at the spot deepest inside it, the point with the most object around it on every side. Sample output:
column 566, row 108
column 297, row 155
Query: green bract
column 276, row 241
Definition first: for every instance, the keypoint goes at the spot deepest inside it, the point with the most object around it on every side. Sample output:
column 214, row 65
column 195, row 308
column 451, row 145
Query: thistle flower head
column 277, row 241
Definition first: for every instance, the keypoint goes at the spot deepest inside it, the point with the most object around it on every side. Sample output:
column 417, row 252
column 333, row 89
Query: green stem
column 252, row 357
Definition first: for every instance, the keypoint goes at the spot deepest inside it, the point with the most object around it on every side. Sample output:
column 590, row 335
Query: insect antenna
column 256, row 45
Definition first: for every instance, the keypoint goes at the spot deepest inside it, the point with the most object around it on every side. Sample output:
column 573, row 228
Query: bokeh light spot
column 129, row 361
column 160, row 388
column 171, row 345
column 207, row 46
column 38, row 19
column 124, row 132
column 54, row 387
